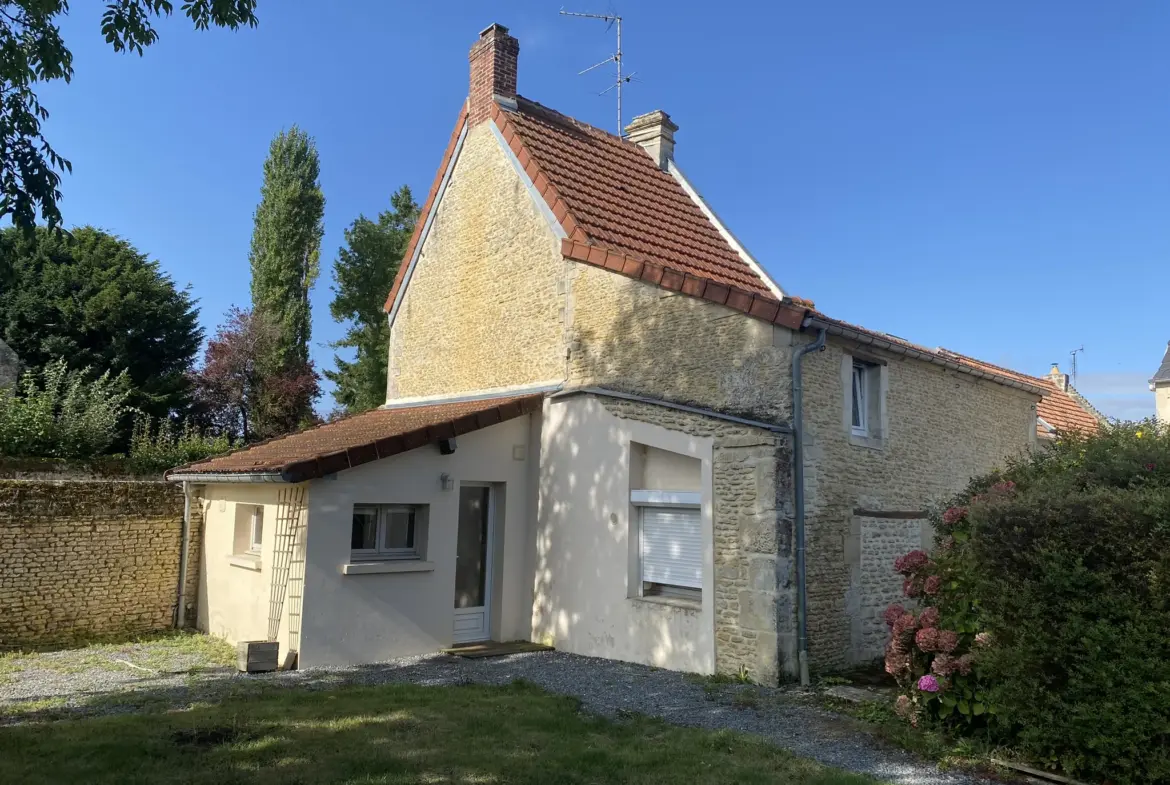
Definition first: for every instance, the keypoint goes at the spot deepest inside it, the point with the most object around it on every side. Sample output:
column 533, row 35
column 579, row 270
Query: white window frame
column 380, row 552
column 859, row 398
column 644, row 500
column 256, row 531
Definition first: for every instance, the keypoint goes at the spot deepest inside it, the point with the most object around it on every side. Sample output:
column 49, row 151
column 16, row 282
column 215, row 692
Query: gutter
column 212, row 478
column 835, row 328
column 798, row 496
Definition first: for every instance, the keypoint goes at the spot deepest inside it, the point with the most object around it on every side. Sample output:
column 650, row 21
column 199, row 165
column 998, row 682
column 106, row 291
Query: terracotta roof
column 608, row 192
column 362, row 438
column 1064, row 411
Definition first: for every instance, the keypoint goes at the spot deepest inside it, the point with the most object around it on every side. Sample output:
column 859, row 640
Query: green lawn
column 392, row 734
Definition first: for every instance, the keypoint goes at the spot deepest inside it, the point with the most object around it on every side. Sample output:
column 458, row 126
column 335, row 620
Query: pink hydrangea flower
column 932, row 585
column 963, row 664
column 947, row 641
column 893, row 613
column 1003, row 488
column 943, row 665
column 930, row 617
column 984, row 639
column 905, row 624
column 897, row 664
column 911, row 562
column 927, row 639
column 929, row 683
column 953, row 515
column 903, row 707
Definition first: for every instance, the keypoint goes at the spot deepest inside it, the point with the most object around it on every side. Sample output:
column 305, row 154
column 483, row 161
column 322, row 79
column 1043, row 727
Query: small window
column 385, row 532
column 256, row 540
column 671, row 552
column 248, row 536
column 861, row 374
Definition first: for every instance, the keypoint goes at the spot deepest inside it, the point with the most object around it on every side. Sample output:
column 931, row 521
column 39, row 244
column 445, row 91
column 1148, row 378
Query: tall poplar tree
column 286, row 242
column 363, row 274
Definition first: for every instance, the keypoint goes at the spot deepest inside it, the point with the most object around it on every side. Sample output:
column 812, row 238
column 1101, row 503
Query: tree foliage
column 171, row 444
column 59, row 413
column 95, row 301
column 242, row 393
column 32, row 50
column 286, row 242
column 363, row 274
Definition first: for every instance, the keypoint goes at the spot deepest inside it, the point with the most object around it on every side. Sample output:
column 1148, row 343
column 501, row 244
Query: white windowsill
column 245, row 561
column 380, row 567
column 867, row 441
column 673, row 602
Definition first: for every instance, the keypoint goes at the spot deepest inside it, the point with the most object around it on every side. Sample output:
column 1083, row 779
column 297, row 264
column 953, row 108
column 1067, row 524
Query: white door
column 473, row 578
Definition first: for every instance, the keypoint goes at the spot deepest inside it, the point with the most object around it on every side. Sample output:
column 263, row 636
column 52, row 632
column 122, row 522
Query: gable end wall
column 486, row 304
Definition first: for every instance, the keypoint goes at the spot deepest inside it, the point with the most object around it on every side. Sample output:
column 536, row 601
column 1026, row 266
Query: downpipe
column 798, row 497
column 184, row 542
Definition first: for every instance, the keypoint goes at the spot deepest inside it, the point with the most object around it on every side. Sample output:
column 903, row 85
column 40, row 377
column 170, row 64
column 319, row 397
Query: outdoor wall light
column 446, row 482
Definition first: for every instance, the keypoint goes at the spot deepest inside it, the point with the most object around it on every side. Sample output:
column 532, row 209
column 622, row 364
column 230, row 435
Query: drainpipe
column 184, row 541
column 798, row 496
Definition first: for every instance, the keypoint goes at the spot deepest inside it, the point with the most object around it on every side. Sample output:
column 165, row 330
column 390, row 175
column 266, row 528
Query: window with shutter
column 672, row 551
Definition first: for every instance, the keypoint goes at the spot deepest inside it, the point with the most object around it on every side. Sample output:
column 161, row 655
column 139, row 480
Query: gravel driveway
column 783, row 716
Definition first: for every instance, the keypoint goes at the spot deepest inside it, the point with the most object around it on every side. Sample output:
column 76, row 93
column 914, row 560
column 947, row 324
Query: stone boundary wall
column 93, row 558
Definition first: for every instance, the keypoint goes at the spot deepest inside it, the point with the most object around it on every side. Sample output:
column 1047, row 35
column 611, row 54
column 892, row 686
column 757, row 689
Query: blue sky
column 990, row 177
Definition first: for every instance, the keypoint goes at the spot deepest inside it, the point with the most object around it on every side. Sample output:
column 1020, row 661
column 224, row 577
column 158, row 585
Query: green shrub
column 1061, row 564
column 154, row 450
column 58, row 413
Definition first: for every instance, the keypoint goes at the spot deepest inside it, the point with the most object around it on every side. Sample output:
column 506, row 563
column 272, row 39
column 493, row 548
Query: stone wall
column 86, row 559
column 942, row 427
column 9, row 366
column 875, row 584
column 754, row 576
column 485, row 306
column 631, row 336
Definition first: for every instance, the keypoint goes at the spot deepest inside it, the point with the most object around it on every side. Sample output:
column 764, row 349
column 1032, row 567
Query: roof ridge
column 568, row 119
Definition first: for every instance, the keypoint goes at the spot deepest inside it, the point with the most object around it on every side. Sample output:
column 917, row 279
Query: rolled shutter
column 672, row 546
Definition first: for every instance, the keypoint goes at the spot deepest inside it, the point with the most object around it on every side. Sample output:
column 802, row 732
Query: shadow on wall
column 583, row 571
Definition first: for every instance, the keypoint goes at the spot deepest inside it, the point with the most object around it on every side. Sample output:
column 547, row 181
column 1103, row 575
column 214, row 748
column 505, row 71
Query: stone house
column 9, row 366
column 607, row 429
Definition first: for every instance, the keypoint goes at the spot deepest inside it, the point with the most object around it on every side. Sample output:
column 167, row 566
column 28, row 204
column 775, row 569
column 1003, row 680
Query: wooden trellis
column 288, row 565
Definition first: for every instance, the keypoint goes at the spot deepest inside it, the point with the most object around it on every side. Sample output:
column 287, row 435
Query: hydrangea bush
column 1041, row 615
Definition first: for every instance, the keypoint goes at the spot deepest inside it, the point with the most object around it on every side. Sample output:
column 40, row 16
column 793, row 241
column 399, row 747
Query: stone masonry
column 874, row 583
column 86, row 559
column 753, row 574
column 943, row 428
column 485, row 306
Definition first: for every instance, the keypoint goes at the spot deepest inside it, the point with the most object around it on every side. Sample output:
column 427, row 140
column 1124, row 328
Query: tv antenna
column 615, row 58
column 1074, row 354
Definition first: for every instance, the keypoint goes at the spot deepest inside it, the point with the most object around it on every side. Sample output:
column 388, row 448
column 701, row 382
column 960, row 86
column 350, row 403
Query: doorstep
column 475, row 651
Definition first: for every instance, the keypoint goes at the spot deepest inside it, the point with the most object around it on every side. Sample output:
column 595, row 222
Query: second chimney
column 1058, row 378
column 493, row 72
column 654, row 133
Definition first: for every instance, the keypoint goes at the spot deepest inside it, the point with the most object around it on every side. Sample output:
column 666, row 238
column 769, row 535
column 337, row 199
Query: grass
column 163, row 651
column 392, row 735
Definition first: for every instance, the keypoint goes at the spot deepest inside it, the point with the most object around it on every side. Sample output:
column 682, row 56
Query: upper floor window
column 861, row 385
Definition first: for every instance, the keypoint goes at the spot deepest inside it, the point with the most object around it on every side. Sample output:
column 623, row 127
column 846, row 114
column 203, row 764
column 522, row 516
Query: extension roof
column 359, row 439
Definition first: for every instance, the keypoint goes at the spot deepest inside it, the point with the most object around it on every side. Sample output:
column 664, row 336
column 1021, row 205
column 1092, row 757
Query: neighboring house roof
column 1058, row 409
column 1163, row 372
column 359, row 439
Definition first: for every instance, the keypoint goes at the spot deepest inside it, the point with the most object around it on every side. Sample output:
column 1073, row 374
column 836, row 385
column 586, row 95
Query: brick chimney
column 1058, row 378
column 654, row 133
column 493, row 72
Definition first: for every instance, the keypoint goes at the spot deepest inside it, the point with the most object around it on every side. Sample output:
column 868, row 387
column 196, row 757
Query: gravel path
column 783, row 716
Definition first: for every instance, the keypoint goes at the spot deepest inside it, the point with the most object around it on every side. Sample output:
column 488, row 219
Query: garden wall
column 87, row 558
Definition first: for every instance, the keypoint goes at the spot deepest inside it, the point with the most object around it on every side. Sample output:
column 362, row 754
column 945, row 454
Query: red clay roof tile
column 362, row 438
